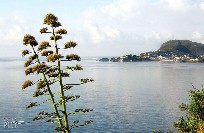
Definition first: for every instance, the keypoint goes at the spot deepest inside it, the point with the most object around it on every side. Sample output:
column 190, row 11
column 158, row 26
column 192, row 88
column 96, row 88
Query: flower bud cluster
column 53, row 57
column 43, row 45
column 61, row 31
column 25, row 52
column 31, row 105
column 65, row 74
column 70, row 44
column 28, row 62
column 56, row 37
column 43, row 30
column 77, row 67
column 28, row 71
column 52, row 20
column 39, row 92
column 26, row 84
column 28, row 39
column 71, row 57
column 40, row 67
column 46, row 52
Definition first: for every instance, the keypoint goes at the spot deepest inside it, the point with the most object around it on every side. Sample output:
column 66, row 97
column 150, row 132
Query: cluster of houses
column 156, row 56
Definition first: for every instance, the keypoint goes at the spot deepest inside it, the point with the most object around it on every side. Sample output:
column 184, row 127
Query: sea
column 126, row 97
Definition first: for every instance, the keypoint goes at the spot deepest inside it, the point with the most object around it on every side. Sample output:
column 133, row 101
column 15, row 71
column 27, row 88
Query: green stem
column 66, row 123
column 50, row 92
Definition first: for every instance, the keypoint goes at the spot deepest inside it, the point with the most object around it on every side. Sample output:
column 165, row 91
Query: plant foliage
column 193, row 121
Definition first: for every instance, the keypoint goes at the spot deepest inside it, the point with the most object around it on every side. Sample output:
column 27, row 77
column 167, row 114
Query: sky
column 103, row 27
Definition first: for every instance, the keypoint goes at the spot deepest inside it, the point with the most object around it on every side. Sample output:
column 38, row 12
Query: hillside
column 173, row 50
column 181, row 47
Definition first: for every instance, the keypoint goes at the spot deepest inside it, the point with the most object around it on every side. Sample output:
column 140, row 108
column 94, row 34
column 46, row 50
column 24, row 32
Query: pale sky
column 103, row 27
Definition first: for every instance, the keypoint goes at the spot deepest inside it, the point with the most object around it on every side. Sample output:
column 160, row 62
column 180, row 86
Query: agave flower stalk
column 50, row 92
column 52, row 73
column 61, row 84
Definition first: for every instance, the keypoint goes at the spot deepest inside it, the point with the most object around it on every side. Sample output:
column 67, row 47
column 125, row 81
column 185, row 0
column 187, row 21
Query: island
column 170, row 51
column 104, row 59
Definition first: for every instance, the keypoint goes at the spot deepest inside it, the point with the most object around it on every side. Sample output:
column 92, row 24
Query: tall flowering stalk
column 51, row 73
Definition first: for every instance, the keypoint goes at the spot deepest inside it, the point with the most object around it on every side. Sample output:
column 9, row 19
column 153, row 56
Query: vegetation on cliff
column 183, row 47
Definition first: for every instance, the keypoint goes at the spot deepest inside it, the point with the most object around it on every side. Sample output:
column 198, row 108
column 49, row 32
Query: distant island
column 104, row 59
column 170, row 51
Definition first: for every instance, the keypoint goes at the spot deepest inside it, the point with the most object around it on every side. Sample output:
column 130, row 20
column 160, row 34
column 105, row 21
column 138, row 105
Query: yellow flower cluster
column 52, row 20
column 53, row 57
column 71, row 57
column 65, row 74
column 28, row 71
column 43, row 30
column 61, row 31
column 28, row 39
column 77, row 67
column 53, row 74
column 43, row 45
column 25, row 52
column 46, row 52
column 31, row 105
column 33, row 57
column 39, row 92
column 28, row 63
column 70, row 44
column 26, row 84
column 38, row 67
column 41, row 84
column 56, row 37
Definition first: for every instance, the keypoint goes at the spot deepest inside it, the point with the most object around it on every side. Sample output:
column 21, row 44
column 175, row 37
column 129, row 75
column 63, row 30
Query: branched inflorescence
column 50, row 72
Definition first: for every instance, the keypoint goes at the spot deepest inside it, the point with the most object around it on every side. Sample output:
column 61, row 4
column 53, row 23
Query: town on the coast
column 170, row 51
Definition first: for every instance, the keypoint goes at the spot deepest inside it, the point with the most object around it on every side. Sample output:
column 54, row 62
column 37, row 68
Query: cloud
column 202, row 5
column 110, row 32
column 117, row 27
column 2, row 21
column 99, row 34
column 95, row 32
column 14, row 34
column 20, row 20
column 178, row 5
column 120, row 9
column 14, row 28
column 12, row 31
column 197, row 35
column 141, row 25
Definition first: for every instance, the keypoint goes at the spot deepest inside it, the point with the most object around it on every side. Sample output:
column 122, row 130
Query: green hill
column 181, row 47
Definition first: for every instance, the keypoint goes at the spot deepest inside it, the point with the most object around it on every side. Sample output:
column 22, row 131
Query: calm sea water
column 126, row 97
